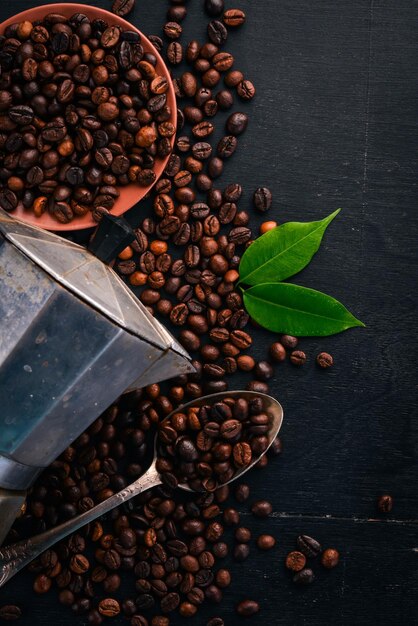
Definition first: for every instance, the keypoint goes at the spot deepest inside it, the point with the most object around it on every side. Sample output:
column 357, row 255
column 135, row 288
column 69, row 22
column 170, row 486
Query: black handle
column 111, row 237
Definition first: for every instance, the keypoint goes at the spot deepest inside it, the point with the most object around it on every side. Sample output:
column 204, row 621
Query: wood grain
column 334, row 124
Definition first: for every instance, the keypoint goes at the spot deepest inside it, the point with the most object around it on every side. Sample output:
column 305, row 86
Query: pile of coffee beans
column 206, row 446
column 83, row 110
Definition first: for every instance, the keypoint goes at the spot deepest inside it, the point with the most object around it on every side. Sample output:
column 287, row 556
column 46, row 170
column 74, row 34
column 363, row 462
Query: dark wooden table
column 333, row 125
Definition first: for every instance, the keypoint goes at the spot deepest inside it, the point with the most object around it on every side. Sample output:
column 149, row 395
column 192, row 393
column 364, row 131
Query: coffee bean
column 227, row 146
column 308, row 546
column 234, row 18
column 217, row 32
column 262, row 199
column 109, row 607
column 236, row 123
column 304, row 577
column 174, row 53
column 324, row 360
column 10, row 612
column 172, row 30
column 330, row 558
column 123, row 7
column 247, row 608
column 298, row 357
column 261, row 508
column 385, row 503
column 214, row 7
column 295, row 561
column 277, row 352
column 246, row 90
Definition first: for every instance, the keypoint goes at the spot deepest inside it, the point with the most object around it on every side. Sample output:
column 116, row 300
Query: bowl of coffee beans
column 87, row 115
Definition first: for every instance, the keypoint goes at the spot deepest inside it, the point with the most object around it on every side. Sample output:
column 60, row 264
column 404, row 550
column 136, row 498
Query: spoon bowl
column 271, row 406
column 13, row 558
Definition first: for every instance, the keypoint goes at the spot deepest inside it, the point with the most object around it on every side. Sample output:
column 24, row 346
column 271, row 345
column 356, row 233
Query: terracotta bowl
column 130, row 194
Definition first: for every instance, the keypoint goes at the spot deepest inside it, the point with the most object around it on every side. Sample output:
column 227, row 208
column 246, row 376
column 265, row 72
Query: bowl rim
column 128, row 196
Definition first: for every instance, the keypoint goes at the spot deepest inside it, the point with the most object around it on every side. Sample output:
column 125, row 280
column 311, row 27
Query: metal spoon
column 16, row 556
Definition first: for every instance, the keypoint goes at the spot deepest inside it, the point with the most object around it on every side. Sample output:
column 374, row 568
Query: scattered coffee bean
column 295, row 561
column 261, row 508
column 266, row 542
column 309, row 546
column 324, row 360
column 298, row 357
column 304, row 577
column 330, row 558
column 10, row 612
column 262, row 199
column 123, row 7
column 247, row 608
column 385, row 503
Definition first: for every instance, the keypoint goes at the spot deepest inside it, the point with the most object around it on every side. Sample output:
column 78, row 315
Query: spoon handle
column 16, row 556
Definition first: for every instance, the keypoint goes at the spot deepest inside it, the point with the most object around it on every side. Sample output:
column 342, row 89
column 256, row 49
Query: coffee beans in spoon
column 206, row 446
column 83, row 111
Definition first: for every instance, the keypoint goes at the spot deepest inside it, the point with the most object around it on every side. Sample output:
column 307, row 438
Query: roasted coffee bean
column 234, row 17
column 324, row 360
column 330, row 558
column 227, row 146
column 295, row 561
column 261, row 508
column 10, row 612
column 385, row 503
column 174, row 53
column 123, row 7
column 214, row 7
column 247, row 608
column 215, row 621
column 262, row 199
column 277, row 352
column 246, row 90
column 236, row 123
column 109, row 607
column 217, row 32
column 304, row 577
column 309, row 546
column 298, row 357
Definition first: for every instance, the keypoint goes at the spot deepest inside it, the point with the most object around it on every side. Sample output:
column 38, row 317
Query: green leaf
column 294, row 310
column 282, row 251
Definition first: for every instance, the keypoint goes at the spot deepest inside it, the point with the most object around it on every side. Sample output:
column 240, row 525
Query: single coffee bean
column 247, row 608
column 330, row 558
column 246, row 90
column 324, row 360
column 289, row 342
column 109, row 607
column 385, row 503
column 277, row 352
column 266, row 542
column 262, row 199
column 236, row 123
column 10, row 612
column 214, row 7
column 227, row 146
column 295, row 561
column 123, row 7
column 234, row 18
column 217, row 32
column 309, row 546
column 304, row 577
column 298, row 357
column 241, row 552
column 261, row 508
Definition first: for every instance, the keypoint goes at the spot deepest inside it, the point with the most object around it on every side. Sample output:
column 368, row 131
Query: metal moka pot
column 72, row 339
